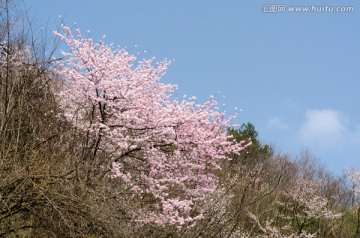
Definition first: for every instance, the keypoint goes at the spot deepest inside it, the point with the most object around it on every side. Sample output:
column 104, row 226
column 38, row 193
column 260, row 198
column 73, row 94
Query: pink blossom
column 162, row 148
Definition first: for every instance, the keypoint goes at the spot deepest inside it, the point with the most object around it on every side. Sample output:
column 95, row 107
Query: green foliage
column 350, row 223
column 247, row 133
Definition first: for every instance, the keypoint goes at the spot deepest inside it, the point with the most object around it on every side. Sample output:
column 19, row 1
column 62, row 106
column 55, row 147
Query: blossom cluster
column 158, row 147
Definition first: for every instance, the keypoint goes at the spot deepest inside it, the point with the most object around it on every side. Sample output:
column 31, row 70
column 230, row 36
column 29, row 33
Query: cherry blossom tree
column 163, row 151
column 305, row 202
column 354, row 176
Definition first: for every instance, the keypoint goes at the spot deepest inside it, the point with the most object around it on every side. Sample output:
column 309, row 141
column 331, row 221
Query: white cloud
column 277, row 123
column 324, row 128
column 356, row 136
column 292, row 106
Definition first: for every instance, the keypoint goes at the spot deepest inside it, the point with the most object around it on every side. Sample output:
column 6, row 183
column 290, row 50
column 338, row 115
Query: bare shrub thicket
column 50, row 185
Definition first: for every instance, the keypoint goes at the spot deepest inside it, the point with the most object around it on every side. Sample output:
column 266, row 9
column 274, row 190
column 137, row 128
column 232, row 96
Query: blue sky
column 296, row 75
